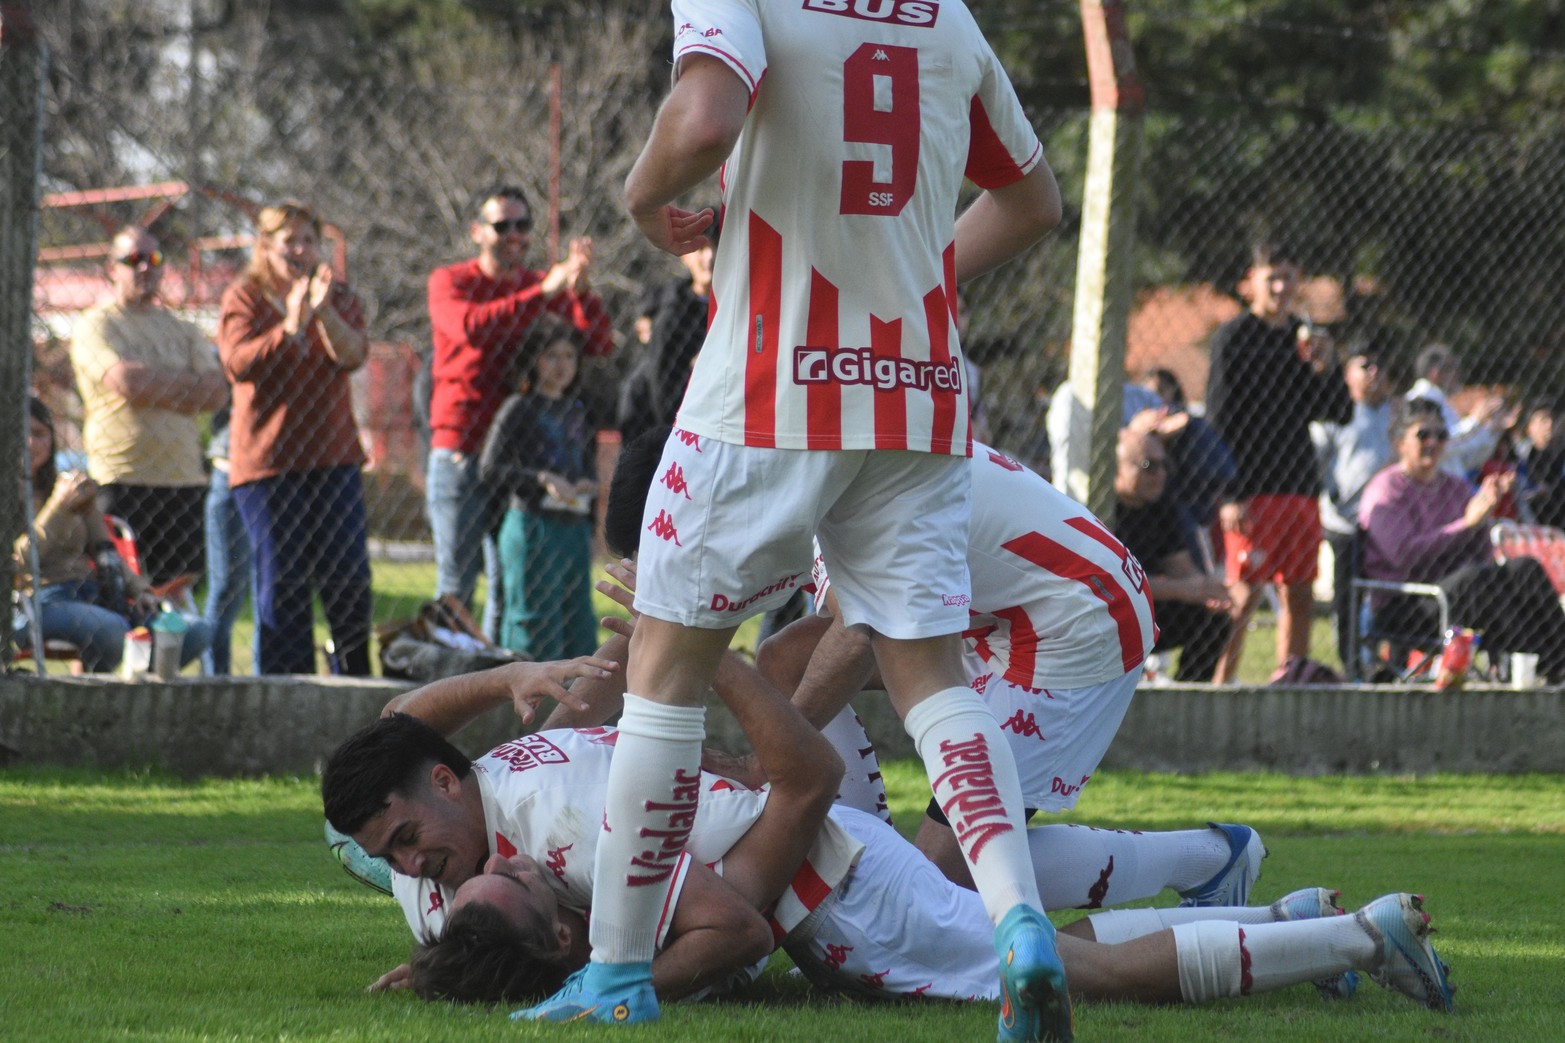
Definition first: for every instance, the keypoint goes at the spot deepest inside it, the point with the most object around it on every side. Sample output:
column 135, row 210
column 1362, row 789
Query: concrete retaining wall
column 250, row 726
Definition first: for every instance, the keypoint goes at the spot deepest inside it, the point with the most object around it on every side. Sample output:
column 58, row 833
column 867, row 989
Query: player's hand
column 399, row 977
column 532, row 683
column 674, row 230
column 1234, row 517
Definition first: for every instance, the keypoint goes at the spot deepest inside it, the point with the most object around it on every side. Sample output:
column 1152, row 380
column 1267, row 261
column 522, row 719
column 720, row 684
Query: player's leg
column 897, row 549
column 862, row 787
column 709, row 556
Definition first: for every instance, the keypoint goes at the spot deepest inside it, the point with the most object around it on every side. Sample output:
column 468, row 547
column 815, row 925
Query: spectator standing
column 1423, row 524
column 290, row 333
column 1189, row 606
column 69, row 532
column 1350, row 454
column 1271, row 374
column 144, row 375
column 1473, row 437
column 676, row 315
column 540, row 454
column 480, row 310
column 834, row 341
column 229, row 570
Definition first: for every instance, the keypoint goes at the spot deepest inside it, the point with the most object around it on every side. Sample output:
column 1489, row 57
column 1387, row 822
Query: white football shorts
column 728, row 530
column 1058, row 735
column 898, row 928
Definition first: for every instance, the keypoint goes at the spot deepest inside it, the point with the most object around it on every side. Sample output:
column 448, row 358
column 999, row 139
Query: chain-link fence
column 1404, row 236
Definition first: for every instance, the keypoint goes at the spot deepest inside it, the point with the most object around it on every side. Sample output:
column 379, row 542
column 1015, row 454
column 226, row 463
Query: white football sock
column 973, row 776
column 1121, row 925
column 1225, row 959
column 1086, row 867
column 654, row 789
column 862, row 785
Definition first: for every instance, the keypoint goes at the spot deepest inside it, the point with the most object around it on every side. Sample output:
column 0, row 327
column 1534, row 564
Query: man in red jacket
column 480, row 310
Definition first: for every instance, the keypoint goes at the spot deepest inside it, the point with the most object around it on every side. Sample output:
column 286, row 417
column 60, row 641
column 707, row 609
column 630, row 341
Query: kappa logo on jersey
column 1004, row 461
column 436, row 902
column 836, row 954
column 903, row 12
column 876, row 980
column 1067, row 789
column 556, row 861
column 1025, row 725
column 861, row 366
column 656, row 864
column 663, row 528
column 974, row 809
column 503, row 846
column 689, row 438
column 674, row 479
column 723, row 603
column 530, row 751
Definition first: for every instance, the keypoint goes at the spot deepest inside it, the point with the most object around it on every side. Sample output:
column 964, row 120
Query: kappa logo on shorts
column 836, row 954
column 1023, row 724
column 663, row 528
column 674, row 479
column 876, row 980
column 955, row 599
column 903, row 12
column 688, row 438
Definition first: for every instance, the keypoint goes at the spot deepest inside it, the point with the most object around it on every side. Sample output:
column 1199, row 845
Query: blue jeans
column 66, row 612
column 462, row 517
column 228, row 576
column 309, row 535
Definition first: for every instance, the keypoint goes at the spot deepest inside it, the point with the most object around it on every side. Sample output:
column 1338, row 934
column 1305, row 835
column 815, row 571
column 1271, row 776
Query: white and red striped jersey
column 834, row 286
column 544, row 795
column 1058, row 602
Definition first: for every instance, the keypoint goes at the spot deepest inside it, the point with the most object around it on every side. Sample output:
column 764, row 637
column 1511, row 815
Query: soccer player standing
column 829, row 399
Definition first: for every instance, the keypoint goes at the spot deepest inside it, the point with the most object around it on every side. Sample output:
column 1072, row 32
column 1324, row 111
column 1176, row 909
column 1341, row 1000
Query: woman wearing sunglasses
column 1425, row 525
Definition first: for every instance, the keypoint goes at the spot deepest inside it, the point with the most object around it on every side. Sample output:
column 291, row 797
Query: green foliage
column 142, row 907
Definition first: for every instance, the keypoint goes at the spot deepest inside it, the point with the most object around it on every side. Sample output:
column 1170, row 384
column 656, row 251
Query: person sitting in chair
column 1422, row 524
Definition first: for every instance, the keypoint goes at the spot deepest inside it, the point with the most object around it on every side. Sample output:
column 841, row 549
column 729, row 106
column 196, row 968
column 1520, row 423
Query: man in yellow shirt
column 143, row 375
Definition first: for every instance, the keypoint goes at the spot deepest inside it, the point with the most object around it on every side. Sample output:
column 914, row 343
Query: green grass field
column 143, row 908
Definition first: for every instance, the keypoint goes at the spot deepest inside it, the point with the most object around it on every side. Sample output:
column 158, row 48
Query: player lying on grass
column 1056, row 644
column 507, row 936
column 840, row 934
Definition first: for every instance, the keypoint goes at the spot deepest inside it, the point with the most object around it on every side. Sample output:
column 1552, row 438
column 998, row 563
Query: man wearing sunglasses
column 144, row 374
column 480, row 310
column 1190, row 606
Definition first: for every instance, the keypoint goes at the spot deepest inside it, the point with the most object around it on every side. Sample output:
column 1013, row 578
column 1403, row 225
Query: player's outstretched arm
column 1003, row 222
column 451, row 703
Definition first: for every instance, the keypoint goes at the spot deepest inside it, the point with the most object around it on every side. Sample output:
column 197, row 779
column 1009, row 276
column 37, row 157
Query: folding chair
column 1545, row 543
column 1365, row 636
column 179, row 591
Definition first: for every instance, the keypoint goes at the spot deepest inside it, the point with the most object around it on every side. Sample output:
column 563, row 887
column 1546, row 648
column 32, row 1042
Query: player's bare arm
column 1003, row 222
column 715, row 932
column 453, row 702
column 694, row 132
